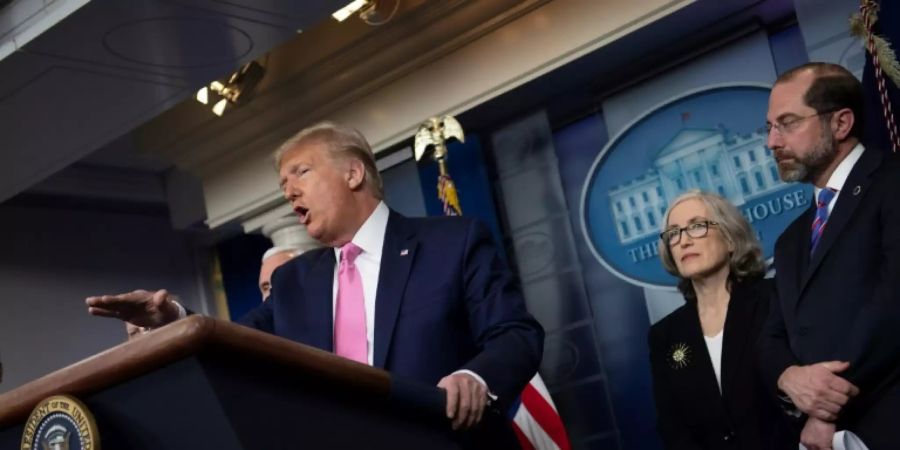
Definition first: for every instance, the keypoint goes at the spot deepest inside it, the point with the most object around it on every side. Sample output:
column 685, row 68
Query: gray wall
column 51, row 259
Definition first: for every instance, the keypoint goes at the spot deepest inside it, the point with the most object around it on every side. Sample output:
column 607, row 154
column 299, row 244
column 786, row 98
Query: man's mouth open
column 302, row 214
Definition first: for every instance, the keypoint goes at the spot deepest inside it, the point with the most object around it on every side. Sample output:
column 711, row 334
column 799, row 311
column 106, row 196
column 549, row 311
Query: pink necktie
column 350, row 311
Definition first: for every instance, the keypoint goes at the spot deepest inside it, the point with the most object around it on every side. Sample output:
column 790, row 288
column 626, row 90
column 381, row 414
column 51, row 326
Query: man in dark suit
column 831, row 345
column 428, row 299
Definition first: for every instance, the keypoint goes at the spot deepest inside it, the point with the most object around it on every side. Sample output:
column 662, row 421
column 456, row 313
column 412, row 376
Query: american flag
column 535, row 420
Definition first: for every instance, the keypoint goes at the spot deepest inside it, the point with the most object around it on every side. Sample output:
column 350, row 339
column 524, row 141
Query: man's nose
column 290, row 192
column 773, row 141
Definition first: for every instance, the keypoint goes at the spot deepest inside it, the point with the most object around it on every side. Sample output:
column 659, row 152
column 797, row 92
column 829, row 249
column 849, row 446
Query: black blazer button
column 728, row 436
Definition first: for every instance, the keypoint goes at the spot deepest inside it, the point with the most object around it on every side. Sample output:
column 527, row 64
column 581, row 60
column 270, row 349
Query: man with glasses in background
column 831, row 346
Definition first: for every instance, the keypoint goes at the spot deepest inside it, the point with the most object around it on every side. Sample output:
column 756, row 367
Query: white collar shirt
column 840, row 174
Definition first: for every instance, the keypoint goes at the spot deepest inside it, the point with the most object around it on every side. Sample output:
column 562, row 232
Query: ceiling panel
column 112, row 65
column 59, row 116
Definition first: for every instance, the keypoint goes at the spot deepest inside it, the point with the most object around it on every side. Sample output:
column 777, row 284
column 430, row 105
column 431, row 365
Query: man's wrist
column 480, row 380
column 172, row 310
column 781, row 378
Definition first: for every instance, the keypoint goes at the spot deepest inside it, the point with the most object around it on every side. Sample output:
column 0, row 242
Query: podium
column 203, row 383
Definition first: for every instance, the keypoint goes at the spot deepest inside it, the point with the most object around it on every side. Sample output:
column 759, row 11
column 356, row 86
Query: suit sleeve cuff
column 182, row 313
column 787, row 405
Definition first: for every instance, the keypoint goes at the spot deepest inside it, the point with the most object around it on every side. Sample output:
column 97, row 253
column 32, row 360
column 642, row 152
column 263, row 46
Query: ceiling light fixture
column 203, row 95
column 379, row 12
column 219, row 108
column 232, row 91
column 347, row 11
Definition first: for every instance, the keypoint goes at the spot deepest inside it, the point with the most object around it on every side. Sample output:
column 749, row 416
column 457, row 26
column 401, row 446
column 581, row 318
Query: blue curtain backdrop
column 536, row 218
column 466, row 165
column 240, row 259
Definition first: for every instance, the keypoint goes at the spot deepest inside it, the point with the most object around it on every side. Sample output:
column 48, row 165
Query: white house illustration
column 738, row 167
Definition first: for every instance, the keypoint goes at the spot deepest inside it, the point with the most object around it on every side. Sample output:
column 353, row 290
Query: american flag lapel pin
column 404, row 252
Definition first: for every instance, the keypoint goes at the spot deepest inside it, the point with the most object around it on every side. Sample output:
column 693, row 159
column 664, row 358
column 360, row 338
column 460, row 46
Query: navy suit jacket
column 843, row 301
column 445, row 301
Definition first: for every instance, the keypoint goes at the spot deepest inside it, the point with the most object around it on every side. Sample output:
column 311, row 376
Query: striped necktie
column 825, row 197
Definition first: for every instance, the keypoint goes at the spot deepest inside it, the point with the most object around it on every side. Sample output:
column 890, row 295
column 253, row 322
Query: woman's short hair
column 342, row 142
column 745, row 261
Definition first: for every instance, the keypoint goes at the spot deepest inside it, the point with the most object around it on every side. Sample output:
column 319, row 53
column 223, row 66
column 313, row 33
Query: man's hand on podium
column 466, row 399
column 140, row 308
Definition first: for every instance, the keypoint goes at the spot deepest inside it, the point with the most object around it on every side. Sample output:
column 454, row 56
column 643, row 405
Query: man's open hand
column 141, row 308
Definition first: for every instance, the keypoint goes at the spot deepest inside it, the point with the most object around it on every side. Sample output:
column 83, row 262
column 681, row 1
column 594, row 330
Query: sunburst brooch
column 681, row 356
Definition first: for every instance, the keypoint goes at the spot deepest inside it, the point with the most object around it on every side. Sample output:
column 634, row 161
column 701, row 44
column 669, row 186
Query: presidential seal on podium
column 60, row 422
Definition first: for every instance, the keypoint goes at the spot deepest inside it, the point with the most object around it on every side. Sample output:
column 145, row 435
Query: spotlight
column 372, row 12
column 203, row 95
column 219, row 108
column 347, row 11
column 234, row 90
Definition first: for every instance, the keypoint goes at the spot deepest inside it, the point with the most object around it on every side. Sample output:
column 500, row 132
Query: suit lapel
column 847, row 202
column 397, row 256
column 320, row 286
column 793, row 257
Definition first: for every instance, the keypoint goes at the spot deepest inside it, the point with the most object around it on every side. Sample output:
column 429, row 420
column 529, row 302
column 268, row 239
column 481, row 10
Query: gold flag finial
column 435, row 133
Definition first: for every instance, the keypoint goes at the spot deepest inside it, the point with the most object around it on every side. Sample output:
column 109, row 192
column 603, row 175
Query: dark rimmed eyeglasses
column 695, row 230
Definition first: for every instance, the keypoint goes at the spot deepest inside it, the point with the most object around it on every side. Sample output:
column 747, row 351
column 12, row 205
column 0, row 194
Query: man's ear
column 841, row 123
column 356, row 173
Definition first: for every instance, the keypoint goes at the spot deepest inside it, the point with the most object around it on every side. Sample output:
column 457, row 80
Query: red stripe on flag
column 545, row 416
column 523, row 440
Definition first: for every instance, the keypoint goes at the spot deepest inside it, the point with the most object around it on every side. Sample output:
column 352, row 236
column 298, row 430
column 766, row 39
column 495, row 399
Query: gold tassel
column 447, row 194
column 883, row 50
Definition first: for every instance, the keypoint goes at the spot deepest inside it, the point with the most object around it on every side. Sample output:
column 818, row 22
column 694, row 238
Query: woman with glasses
column 705, row 383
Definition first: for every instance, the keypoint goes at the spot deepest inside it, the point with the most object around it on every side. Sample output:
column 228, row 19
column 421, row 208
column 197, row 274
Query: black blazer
column 843, row 302
column 691, row 412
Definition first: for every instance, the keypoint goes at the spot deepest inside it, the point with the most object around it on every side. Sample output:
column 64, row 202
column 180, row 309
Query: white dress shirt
column 840, row 174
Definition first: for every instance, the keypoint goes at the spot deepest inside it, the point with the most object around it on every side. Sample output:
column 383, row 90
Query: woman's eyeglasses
column 695, row 230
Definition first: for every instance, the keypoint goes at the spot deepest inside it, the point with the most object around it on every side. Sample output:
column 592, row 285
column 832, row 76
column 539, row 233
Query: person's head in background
column 271, row 260
column 704, row 236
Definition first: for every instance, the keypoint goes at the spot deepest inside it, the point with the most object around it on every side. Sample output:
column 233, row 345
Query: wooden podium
column 202, row 383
